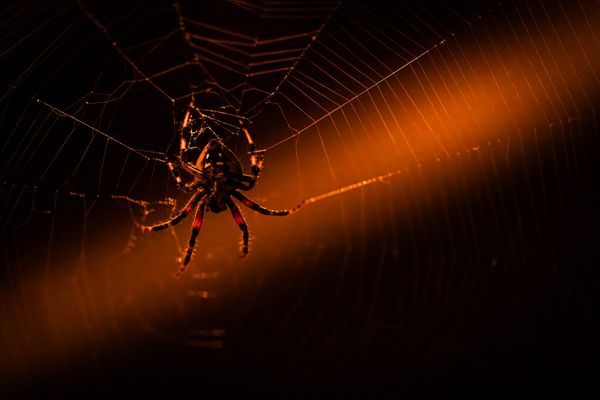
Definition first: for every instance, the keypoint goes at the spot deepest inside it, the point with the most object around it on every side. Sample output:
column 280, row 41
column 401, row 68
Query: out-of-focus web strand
column 62, row 113
column 118, row 49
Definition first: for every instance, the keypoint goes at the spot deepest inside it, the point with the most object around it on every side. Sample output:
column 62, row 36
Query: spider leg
column 239, row 220
column 175, row 220
column 183, row 131
column 257, row 207
column 244, row 182
column 175, row 167
column 196, row 225
column 256, row 156
column 179, row 165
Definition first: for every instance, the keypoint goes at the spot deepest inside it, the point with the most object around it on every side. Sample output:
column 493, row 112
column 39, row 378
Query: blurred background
column 447, row 150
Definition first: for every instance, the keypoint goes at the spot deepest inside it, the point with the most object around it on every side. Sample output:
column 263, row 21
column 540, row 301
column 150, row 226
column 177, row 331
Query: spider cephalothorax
column 219, row 168
column 215, row 176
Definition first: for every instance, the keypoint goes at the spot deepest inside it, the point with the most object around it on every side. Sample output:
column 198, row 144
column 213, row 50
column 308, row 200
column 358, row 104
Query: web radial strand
column 437, row 160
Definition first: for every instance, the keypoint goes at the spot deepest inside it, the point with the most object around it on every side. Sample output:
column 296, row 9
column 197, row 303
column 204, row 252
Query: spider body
column 215, row 177
column 218, row 167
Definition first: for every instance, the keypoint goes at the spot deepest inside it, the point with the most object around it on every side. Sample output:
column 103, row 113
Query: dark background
column 488, row 281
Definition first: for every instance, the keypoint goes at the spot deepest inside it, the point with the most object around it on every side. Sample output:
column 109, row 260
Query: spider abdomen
column 217, row 203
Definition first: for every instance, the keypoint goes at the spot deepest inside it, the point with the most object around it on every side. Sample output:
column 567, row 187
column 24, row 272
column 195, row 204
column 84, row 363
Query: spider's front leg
column 187, row 126
column 178, row 165
column 175, row 168
column 257, row 157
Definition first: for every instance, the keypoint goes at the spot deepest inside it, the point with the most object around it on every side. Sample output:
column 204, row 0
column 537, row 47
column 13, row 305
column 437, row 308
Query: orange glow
column 458, row 99
column 461, row 98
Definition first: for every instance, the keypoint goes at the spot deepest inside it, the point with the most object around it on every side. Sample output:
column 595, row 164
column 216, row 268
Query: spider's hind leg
column 257, row 207
column 239, row 220
column 175, row 220
column 196, row 225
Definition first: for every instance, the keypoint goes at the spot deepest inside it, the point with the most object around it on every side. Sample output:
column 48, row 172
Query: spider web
column 443, row 155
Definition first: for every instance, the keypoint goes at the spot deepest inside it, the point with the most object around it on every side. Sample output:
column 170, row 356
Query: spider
column 217, row 175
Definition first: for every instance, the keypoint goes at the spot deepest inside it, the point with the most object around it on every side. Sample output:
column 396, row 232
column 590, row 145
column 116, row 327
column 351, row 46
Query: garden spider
column 216, row 175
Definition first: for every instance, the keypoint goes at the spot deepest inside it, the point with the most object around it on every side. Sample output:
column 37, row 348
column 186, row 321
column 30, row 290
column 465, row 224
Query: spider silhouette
column 216, row 176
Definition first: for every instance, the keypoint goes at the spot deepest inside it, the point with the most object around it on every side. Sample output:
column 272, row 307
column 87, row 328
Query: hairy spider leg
column 239, row 220
column 256, row 156
column 244, row 182
column 184, row 125
column 175, row 220
column 257, row 207
column 176, row 166
column 196, row 225
column 183, row 141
